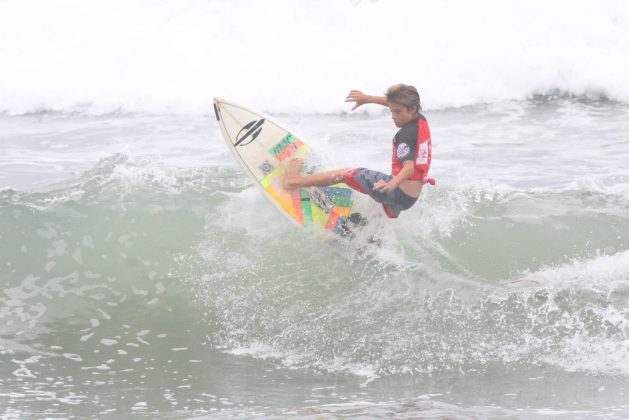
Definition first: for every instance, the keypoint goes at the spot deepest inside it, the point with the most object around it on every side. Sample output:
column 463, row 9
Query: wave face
column 282, row 56
column 137, row 274
column 142, row 272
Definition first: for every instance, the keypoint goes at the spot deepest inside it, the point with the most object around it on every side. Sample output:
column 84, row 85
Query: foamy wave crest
column 401, row 326
column 281, row 56
column 599, row 324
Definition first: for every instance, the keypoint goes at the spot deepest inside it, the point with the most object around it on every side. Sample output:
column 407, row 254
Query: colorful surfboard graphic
column 263, row 148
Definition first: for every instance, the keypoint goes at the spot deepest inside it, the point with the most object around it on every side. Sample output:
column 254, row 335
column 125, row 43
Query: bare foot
column 292, row 173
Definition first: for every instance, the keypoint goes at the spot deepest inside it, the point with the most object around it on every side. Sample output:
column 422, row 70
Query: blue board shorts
column 393, row 202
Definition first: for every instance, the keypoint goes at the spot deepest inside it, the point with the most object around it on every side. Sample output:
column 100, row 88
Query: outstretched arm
column 361, row 99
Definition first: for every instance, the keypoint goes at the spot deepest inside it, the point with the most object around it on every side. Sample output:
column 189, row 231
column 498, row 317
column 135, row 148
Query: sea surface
column 144, row 275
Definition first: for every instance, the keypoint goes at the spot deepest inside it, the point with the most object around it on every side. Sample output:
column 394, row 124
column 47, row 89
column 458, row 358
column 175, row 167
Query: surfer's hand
column 358, row 97
column 383, row 186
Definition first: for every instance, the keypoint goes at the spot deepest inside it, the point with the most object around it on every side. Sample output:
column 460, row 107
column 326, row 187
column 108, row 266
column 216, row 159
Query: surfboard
column 263, row 148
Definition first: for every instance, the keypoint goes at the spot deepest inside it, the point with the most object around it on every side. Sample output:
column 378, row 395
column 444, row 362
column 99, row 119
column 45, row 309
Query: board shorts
column 393, row 202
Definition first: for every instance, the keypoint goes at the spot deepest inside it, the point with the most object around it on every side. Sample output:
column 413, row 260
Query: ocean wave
column 451, row 305
column 456, row 228
column 318, row 305
column 168, row 57
column 380, row 325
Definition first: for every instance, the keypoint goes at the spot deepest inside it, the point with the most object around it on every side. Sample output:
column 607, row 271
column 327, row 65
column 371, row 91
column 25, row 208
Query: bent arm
column 408, row 168
column 404, row 174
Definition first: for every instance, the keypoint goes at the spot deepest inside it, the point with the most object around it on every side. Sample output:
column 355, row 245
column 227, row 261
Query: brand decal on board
column 249, row 133
column 266, row 167
column 320, row 199
column 286, row 147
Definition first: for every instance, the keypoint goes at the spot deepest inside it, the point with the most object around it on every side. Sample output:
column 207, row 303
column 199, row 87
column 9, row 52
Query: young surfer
column 412, row 153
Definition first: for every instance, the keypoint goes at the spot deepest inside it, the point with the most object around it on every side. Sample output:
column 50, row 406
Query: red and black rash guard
column 412, row 142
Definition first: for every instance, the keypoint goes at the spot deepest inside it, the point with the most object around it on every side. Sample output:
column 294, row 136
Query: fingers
column 354, row 95
column 382, row 186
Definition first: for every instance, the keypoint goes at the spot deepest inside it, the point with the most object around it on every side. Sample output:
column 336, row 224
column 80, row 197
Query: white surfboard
column 263, row 148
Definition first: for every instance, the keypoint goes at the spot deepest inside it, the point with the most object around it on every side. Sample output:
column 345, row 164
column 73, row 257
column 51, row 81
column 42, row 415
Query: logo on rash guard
column 403, row 150
column 424, row 153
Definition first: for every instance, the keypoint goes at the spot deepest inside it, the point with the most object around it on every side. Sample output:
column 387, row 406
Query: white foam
column 597, row 290
column 598, row 355
column 293, row 57
column 295, row 359
column 602, row 270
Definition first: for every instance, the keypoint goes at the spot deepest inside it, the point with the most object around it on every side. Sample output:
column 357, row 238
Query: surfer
column 412, row 150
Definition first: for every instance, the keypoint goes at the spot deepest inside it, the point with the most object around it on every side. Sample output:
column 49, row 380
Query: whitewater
column 300, row 57
column 144, row 275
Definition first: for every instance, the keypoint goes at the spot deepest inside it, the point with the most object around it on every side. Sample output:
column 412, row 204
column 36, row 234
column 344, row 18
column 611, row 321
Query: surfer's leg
column 364, row 180
column 293, row 178
column 397, row 202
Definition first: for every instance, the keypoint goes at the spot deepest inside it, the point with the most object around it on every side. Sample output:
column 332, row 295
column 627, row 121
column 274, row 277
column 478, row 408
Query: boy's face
column 401, row 115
